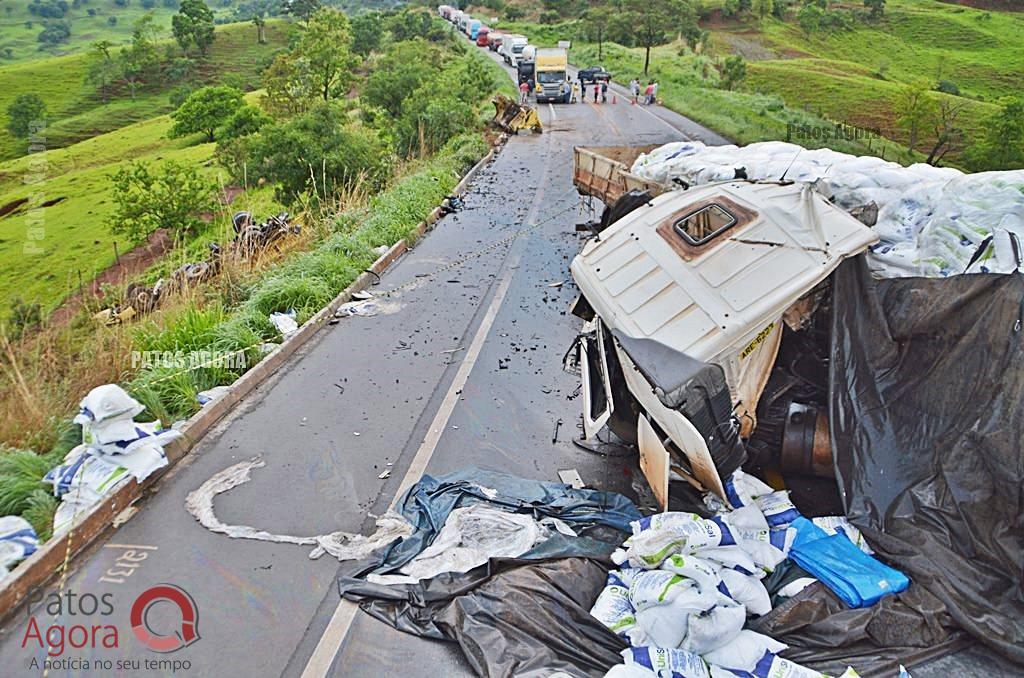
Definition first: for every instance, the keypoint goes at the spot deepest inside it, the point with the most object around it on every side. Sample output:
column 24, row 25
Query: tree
column 170, row 197
column 205, row 110
column 55, row 33
column 301, row 154
column 948, row 135
column 324, row 52
column 654, row 22
column 289, row 90
column 25, row 114
column 301, row 9
column 103, row 69
column 596, row 20
column 1002, row 145
column 366, row 33
column 398, row 73
column 139, row 60
column 809, row 17
column 734, row 70
column 193, row 25
column 914, row 107
column 764, row 8
column 260, row 22
column 875, row 8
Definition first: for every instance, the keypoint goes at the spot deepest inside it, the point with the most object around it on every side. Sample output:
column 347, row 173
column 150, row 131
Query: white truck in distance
column 512, row 48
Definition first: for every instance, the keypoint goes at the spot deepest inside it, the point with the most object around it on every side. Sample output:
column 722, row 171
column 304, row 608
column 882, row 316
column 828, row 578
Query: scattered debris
column 209, row 395
column 367, row 308
column 385, row 475
column 571, row 477
column 284, row 322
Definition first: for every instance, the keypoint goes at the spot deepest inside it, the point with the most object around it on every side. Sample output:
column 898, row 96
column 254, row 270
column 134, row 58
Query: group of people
column 648, row 96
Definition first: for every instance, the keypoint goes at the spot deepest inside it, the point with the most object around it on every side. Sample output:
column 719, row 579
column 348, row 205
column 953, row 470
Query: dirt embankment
column 995, row 5
column 129, row 265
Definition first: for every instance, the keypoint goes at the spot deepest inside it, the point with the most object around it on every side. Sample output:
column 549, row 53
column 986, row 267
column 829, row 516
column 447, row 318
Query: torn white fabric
column 341, row 545
column 471, row 535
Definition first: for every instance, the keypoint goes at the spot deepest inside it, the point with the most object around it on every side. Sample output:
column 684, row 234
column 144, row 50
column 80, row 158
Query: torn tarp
column 927, row 424
column 428, row 503
column 512, row 616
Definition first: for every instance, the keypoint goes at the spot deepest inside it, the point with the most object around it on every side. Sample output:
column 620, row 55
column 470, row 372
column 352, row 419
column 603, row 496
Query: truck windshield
column 517, row 49
column 548, row 77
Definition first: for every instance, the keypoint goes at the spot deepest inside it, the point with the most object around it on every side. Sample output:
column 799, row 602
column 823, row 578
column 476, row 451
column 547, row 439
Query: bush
column 171, row 197
column 948, row 87
column 429, row 122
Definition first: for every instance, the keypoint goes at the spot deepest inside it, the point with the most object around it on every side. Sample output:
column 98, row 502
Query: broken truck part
column 686, row 297
column 511, row 117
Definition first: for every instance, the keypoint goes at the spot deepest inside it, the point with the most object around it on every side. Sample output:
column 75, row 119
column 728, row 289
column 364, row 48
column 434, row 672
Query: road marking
column 551, row 107
column 341, row 621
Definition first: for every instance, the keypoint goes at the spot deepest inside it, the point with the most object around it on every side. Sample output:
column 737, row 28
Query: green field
column 20, row 28
column 75, row 111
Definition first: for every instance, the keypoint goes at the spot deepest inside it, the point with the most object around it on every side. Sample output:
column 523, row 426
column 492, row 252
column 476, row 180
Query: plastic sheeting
column 527, row 616
column 927, row 422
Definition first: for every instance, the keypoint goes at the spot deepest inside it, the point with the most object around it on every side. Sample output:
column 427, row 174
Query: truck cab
column 481, row 36
column 472, row 27
column 686, row 297
column 513, row 46
column 551, row 69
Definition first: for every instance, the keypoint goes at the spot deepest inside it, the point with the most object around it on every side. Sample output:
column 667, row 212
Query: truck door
column 597, row 390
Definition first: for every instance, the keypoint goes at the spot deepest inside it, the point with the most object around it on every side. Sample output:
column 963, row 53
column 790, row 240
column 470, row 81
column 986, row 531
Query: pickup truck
column 594, row 74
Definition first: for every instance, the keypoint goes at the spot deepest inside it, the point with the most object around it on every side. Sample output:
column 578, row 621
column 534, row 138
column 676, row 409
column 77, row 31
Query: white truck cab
column 685, row 297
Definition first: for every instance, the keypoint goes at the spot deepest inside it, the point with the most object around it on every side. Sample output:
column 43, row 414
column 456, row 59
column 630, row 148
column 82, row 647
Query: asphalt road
column 359, row 400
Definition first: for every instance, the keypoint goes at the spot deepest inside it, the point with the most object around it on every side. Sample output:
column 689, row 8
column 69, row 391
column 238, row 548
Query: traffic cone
column 614, row 98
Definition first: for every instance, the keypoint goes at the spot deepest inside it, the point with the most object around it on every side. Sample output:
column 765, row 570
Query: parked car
column 594, row 74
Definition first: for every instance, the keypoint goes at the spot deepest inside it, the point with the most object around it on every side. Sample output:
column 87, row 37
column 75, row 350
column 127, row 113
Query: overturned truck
column 734, row 317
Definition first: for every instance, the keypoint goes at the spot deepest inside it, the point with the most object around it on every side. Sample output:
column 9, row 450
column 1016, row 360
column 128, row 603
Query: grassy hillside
column 853, row 76
column 75, row 110
column 90, row 20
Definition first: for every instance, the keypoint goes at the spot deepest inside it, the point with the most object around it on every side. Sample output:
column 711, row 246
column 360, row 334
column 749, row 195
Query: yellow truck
column 551, row 75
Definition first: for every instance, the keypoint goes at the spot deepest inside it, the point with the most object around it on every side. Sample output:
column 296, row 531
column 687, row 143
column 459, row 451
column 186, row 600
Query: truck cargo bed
column 603, row 171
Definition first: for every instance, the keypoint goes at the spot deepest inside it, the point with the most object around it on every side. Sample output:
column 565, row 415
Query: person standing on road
column 604, row 91
column 597, row 91
column 575, row 92
column 524, row 91
column 654, row 92
column 648, row 92
column 634, row 89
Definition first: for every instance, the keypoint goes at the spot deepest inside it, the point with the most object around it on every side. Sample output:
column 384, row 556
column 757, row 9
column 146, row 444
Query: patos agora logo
column 183, row 636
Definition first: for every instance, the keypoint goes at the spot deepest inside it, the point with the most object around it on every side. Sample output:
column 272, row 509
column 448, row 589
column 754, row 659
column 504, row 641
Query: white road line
column 551, row 107
column 341, row 621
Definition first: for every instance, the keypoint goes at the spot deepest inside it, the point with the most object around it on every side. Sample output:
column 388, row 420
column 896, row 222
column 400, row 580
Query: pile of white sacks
column 686, row 586
column 931, row 220
column 113, row 446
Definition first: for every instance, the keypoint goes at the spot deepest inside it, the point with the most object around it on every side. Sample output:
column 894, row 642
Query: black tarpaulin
column 927, row 424
column 511, row 617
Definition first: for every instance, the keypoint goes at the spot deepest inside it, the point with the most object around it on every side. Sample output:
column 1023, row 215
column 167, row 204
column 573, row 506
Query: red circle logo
column 175, row 595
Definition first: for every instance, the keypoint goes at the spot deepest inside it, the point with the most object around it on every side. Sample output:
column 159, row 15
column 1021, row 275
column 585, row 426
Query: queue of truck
column 546, row 70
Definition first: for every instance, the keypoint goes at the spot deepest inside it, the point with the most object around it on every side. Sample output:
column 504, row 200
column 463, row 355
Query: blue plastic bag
column 857, row 578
